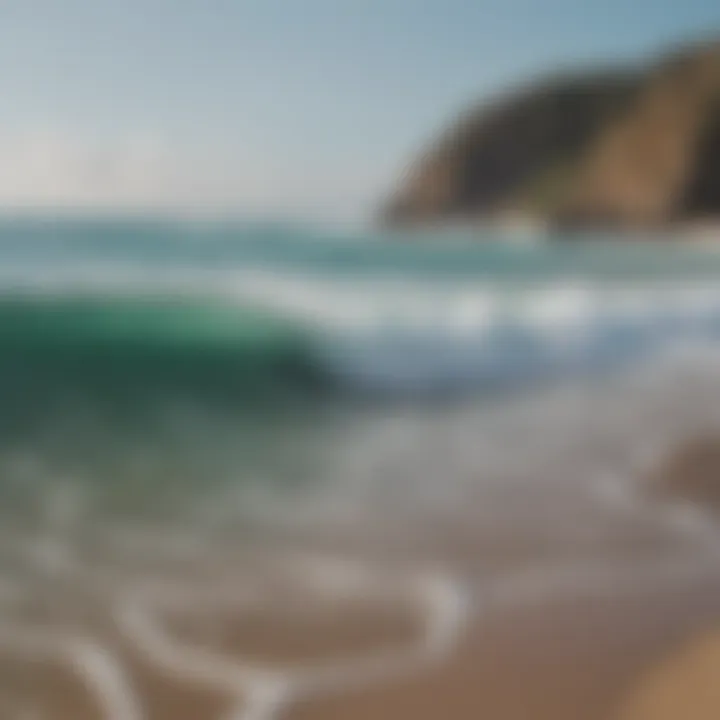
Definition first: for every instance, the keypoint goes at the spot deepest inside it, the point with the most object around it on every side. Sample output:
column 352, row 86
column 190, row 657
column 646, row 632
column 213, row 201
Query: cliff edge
column 624, row 147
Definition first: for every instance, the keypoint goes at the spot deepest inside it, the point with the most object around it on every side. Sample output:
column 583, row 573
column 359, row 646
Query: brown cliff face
column 624, row 148
column 701, row 196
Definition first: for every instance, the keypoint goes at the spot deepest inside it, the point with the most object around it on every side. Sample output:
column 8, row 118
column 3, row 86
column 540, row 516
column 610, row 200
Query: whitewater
column 199, row 421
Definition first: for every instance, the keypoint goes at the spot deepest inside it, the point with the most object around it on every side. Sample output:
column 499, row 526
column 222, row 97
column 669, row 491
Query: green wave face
column 120, row 351
column 146, row 403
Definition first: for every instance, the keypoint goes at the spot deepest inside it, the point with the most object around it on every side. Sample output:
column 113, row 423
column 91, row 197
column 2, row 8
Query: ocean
column 188, row 406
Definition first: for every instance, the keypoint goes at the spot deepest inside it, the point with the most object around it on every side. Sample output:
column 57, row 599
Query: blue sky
column 264, row 106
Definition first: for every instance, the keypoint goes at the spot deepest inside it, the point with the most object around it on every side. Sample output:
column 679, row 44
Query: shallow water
column 407, row 440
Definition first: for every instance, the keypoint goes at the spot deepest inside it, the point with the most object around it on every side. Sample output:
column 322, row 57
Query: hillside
column 625, row 147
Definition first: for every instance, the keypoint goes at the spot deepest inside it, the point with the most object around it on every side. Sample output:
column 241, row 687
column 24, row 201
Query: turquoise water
column 264, row 311
column 150, row 361
column 208, row 422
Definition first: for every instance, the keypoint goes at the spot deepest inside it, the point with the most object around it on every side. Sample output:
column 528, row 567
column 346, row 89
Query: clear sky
column 263, row 106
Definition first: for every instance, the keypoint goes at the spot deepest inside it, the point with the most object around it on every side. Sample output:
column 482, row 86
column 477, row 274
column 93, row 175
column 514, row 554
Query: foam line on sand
column 262, row 690
column 445, row 605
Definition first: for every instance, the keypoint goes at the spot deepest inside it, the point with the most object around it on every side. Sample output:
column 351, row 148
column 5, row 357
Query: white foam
column 95, row 665
column 264, row 690
column 104, row 672
column 392, row 329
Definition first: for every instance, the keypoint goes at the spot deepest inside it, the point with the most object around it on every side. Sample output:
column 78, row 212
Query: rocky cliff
column 627, row 147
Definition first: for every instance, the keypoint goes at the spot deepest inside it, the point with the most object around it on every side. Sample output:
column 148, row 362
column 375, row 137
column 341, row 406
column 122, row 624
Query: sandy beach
column 316, row 640
column 562, row 659
column 684, row 684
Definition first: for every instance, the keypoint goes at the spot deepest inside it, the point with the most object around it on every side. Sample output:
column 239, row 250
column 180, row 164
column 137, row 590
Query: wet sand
column 326, row 636
column 379, row 639
column 89, row 671
column 44, row 689
column 682, row 685
column 692, row 474
column 562, row 659
column 559, row 661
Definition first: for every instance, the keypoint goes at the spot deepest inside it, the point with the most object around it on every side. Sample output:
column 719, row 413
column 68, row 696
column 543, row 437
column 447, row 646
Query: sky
column 267, row 107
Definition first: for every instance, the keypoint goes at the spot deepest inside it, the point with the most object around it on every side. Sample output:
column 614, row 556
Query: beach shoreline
column 365, row 638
